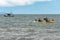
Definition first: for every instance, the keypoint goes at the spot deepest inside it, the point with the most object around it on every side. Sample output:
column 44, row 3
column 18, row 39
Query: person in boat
column 39, row 20
column 46, row 19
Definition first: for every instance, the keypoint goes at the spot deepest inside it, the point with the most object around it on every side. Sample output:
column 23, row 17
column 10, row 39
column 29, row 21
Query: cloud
column 18, row 2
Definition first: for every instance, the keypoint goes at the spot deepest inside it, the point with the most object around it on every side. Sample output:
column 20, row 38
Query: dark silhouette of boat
column 8, row 15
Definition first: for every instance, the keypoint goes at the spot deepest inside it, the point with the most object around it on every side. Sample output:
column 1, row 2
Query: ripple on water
column 47, row 39
column 57, row 39
column 25, row 38
column 29, row 34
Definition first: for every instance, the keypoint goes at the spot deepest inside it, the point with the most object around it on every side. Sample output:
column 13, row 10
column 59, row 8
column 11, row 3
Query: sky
column 30, row 6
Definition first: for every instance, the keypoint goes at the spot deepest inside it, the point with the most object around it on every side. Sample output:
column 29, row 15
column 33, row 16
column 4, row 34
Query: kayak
column 51, row 21
column 45, row 21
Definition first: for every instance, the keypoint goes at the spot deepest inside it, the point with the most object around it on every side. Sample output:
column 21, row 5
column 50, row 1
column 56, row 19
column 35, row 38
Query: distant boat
column 8, row 15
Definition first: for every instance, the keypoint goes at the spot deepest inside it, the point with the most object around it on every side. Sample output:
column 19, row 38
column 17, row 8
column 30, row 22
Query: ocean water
column 23, row 27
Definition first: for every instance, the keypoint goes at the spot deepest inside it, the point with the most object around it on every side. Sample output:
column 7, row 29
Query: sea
column 23, row 27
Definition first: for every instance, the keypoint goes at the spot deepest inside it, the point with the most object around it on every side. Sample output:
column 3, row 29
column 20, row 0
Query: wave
column 29, row 34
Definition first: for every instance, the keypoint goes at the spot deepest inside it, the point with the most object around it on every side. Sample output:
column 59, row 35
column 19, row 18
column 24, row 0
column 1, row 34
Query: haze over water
column 23, row 27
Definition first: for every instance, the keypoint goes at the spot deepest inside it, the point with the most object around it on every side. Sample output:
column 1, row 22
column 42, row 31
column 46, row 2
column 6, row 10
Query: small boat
column 43, row 21
column 8, row 15
column 51, row 21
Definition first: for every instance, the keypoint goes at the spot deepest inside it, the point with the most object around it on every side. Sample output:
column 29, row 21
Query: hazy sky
column 30, row 6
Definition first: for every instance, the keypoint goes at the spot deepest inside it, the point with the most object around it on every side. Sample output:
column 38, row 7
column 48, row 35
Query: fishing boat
column 8, row 15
